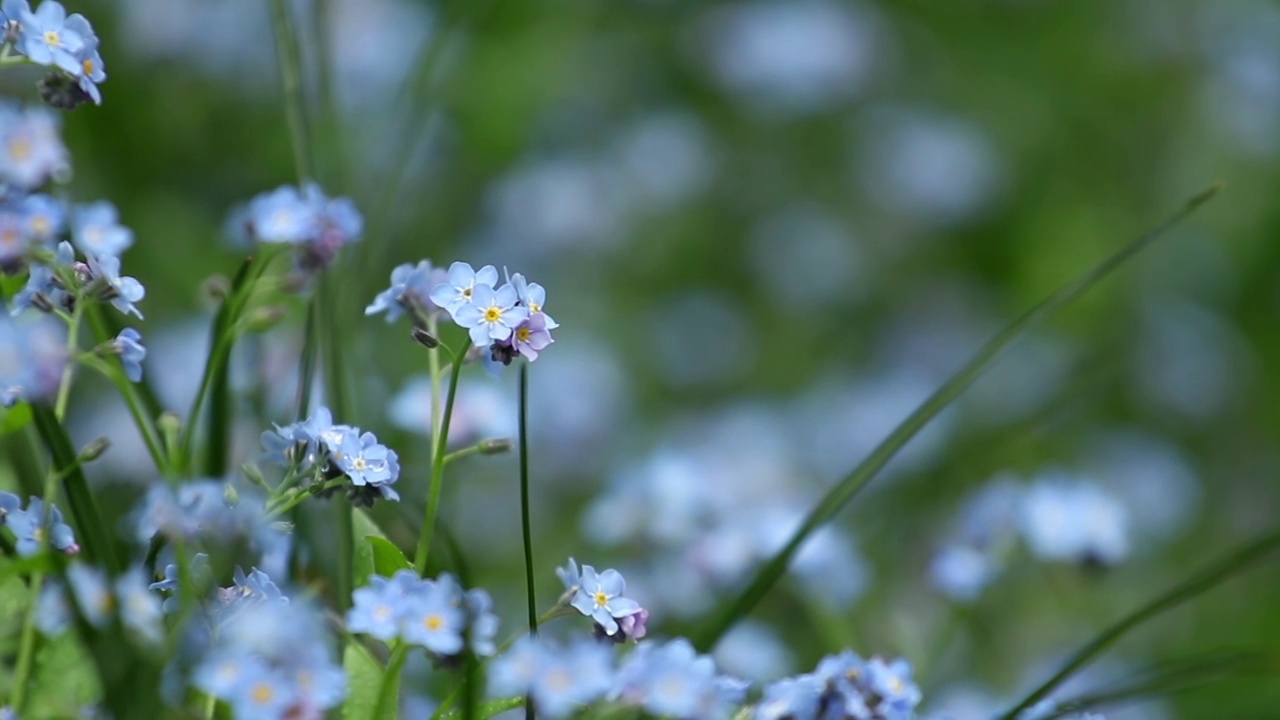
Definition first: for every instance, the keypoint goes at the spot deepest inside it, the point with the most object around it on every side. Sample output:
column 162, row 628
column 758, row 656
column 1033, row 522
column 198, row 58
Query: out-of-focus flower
column 32, row 355
column 671, row 680
column 121, row 292
column 32, row 530
column 97, row 231
column 128, row 344
column 435, row 614
column 410, row 291
column 31, row 148
column 558, row 679
column 317, row 225
column 1076, row 521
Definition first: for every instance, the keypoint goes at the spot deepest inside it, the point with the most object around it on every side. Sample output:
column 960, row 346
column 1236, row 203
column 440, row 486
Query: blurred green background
column 768, row 230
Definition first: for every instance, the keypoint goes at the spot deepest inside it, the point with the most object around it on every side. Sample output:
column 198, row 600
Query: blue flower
column 483, row 623
column 283, row 216
column 31, row 149
column 672, row 680
column 47, row 40
column 9, row 503
column 53, row 611
column 531, row 336
column 533, row 296
column 891, row 683
column 128, row 344
column 366, row 461
column 491, row 315
column 410, row 290
column 570, row 575
column 11, row 12
column 600, row 598
column 122, row 292
column 14, row 240
column 43, row 290
column 249, row 592
column 572, row 677
column 33, row 351
column 378, row 607
column 97, row 230
column 92, row 593
column 200, row 575
column 790, row 698
column 459, row 290
column 30, row 529
column 91, row 71
column 961, row 572
column 46, row 216
column 301, row 442
column 434, row 618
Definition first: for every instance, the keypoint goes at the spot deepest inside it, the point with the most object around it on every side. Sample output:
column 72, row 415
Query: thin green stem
column 525, row 525
column 68, row 370
column 437, row 467
column 390, row 688
column 145, row 427
column 839, row 496
column 288, row 53
column 284, row 505
column 1208, row 579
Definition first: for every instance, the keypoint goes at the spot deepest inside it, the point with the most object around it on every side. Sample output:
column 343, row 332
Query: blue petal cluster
column 508, row 319
column 316, row 225
column 410, row 292
column 844, row 687
column 32, row 354
column 198, row 512
column 600, row 596
column 50, row 37
column 100, row 600
column 334, row 451
column 30, row 527
column 435, row 614
column 128, row 345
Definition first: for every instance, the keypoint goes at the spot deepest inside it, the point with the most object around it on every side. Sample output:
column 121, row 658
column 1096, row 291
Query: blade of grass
column 855, row 481
column 524, row 497
column 289, row 55
column 1207, row 579
column 97, row 545
column 437, row 466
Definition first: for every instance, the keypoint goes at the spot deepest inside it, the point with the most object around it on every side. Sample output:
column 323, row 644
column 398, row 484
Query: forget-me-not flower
column 97, row 231
column 410, row 290
column 433, row 618
column 600, row 597
column 376, row 609
column 572, row 677
column 128, row 344
column 46, row 39
column 30, row 529
column 459, row 290
column 121, row 292
column 366, row 461
column 531, row 336
column 46, row 216
column 31, row 148
column 92, row 593
column 43, row 290
column 91, row 70
column 533, row 296
column 491, row 314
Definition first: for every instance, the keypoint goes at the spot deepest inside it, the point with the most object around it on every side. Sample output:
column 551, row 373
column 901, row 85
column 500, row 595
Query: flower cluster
column 599, row 596
column 332, row 451
column 665, row 679
column 507, row 319
column 138, row 609
column 435, row 614
column 410, row 291
column 64, row 42
column 844, row 687
column 35, row 525
column 265, row 656
column 1058, row 518
column 316, row 225
column 33, row 351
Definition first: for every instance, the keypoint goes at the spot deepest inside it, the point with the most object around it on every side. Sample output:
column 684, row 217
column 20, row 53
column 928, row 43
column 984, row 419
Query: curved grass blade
column 97, row 544
column 846, row 489
column 1203, row 581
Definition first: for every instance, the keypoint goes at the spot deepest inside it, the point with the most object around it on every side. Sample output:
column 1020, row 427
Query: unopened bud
column 264, row 318
column 425, row 338
column 94, row 450
column 494, row 446
column 169, row 423
column 230, row 496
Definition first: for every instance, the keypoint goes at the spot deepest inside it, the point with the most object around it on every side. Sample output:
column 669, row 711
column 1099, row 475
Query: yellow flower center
column 38, row 534
column 493, row 314
column 88, row 66
column 41, row 224
column 20, row 149
column 51, row 37
column 601, row 598
column 433, row 622
column 359, row 464
column 382, row 612
column 534, row 307
column 263, row 693
column 523, row 334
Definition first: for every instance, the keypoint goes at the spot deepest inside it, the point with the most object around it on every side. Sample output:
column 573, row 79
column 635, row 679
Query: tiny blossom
column 30, row 529
column 534, row 297
column 43, row 290
column 410, row 290
column 129, row 346
column 531, row 336
column 600, row 597
column 14, row 240
column 672, row 680
column 11, row 12
column 435, row 614
column 514, row 671
column 47, row 40
column 305, row 217
column 9, row 503
column 53, row 610
column 366, row 461
column 31, row 148
column 459, row 289
column 121, row 292
column 570, row 575
column 790, row 698
column 91, row 70
column 376, row 608
column 433, row 619
column 46, row 216
column 961, row 572
column 483, row 627
column 491, row 314
column 571, row 677
column 97, row 231
column 1066, row 520
column 92, row 592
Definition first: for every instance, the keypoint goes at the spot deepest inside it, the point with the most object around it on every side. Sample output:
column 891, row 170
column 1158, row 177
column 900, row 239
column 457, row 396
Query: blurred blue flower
column 200, row 575
column 97, row 231
column 14, row 240
column 53, row 610
column 9, row 503
column 434, row 619
column 410, row 290
column 790, row 698
column 483, row 622
column 491, row 314
column 46, row 216
column 31, row 148
column 377, row 608
column 122, row 292
column 283, row 215
column 47, row 40
column 514, row 671
column 891, row 683
column 29, row 528
column 459, row 289
column 571, row 677
column 671, row 680
column 600, row 597
column 301, row 442
column 11, row 12
column 92, row 592
column 129, row 346
column 961, row 572
column 1076, row 521
column 43, row 290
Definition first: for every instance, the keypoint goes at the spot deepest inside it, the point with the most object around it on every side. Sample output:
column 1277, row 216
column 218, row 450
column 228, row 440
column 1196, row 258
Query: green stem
column 437, row 467
column 525, row 525
column 288, row 54
column 1206, row 580
column 97, row 545
column 68, row 370
column 390, row 688
column 145, row 427
column 839, row 496
column 284, row 505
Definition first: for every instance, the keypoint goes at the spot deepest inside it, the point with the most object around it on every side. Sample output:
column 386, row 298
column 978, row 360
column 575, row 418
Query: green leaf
column 387, row 558
column 64, row 680
column 1207, row 579
column 364, row 678
column 14, row 418
column 840, row 495
column 365, row 562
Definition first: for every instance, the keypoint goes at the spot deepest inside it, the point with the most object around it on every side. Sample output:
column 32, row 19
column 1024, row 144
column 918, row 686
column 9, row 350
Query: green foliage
column 364, row 679
column 14, row 418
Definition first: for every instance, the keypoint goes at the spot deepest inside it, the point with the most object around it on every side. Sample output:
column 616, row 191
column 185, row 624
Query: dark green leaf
column 364, row 678
column 14, row 418
column 387, row 558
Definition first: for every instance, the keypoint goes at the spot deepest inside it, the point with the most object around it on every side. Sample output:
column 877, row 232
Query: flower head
column 31, row 148
column 97, row 231
column 534, row 297
column 491, row 314
column 128, row 344
column 122, row 292
column 47, row 40
column 91, row 70
column 410, row 291
column 459, row 289
column 30, row 527
column 599, row 597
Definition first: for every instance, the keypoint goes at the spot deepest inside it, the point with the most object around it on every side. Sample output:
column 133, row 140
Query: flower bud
column 494, row 446
column 94, row 450
column 424, row 338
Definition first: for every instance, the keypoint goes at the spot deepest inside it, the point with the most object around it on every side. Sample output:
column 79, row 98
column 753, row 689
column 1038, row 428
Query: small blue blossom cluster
column 665, row 679
column 31, row 528
column 599, row 596
column 507, row 319
column 33, row 352
column 99, row 600
column 844, row 686
column 52, row 38
column 1058, row 518
column 410, row 291
column 317, row 226
column 332, row 451
column 263, row 655
column 434, row 614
